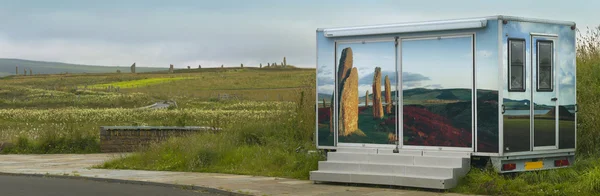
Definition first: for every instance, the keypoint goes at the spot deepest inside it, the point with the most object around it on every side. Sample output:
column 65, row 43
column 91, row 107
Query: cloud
column 434, row 86
column 484, row 53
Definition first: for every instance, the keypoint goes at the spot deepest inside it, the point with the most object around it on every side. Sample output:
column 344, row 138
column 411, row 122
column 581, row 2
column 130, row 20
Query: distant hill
column 7, row 67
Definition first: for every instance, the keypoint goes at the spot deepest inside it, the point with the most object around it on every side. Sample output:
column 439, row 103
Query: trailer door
column 544, row 93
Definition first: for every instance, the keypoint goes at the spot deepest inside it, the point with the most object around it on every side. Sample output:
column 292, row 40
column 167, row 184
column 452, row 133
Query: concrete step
column 383, row 179
column 457, row 162
column 378, row 168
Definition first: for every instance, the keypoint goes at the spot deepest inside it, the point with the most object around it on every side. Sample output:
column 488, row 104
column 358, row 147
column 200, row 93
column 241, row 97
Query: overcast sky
column 211, row 33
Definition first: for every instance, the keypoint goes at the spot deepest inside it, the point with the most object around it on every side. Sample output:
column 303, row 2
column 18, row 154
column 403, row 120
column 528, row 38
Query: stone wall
column 128, row 139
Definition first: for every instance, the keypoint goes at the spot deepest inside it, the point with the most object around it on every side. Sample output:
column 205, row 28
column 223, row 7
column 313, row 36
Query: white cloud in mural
column 484, row 54
column 326, row 89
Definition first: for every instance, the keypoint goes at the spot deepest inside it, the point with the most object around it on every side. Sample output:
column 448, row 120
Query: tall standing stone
column 367, row 99
column 349, row 104
column 242, row 65
column 268, row 64
column 388, row 96
column 260, row 66
column 221, row 65
column 133, row 68
column 324, row 103
column 189, row 67
column 284, row 62
column 24, row 72
column 377, row 106
column 345, row 65
column 17, row 70
column 171, row 68
column 199, row 66
column 347, row 94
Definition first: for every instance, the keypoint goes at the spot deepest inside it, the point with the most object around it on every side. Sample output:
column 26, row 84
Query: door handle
column 503, row 110
column 554, row 99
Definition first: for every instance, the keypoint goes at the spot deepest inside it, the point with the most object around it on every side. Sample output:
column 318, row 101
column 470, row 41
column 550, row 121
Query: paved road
column 79, row 164
column 48, row 186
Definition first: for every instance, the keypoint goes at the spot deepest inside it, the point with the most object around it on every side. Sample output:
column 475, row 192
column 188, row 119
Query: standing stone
column 268, row 64
column 345, row 65
column 171, row 68
column 17, row 70
column 367, row 99
column 199, row 66
column 347, row 95
column 377, row 106
column 284, row 62
column 324, row 103
column 388, row 96
column 260, row 66
column 133, row 68
column 189, row 67
column 349, row 104
column 24, row 72
column 221, row 65
column 242, row 65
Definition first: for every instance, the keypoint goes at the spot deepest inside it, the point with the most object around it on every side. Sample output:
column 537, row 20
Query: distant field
column 7, row 67
column 137, row 83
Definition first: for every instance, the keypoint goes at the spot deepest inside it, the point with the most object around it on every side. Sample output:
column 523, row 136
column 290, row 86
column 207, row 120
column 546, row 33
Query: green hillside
column 7, row 67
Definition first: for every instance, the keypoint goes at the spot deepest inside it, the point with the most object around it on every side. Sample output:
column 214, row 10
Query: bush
column 588, row 87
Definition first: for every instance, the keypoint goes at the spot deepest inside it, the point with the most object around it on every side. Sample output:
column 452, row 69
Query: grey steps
column 411, row 170
column 398, row 159
column 383, row 179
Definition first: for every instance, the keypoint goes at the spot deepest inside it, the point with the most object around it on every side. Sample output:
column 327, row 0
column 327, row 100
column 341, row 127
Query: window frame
column 537, row 62
column 524, row 65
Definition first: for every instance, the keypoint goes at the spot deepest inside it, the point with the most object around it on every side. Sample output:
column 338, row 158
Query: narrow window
column 516, row 65
column 544, row 65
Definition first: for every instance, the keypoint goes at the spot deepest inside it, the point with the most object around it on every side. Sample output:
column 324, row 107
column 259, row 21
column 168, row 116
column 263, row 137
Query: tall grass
column 278, row 147
column 588, row 92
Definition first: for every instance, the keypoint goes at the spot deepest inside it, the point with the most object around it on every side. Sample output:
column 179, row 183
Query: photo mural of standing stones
column 437, row 92
column 325, row 91
column 366, row 88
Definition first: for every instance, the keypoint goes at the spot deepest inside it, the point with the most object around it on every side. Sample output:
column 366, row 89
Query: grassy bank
column 583, row 178
column 282, row 147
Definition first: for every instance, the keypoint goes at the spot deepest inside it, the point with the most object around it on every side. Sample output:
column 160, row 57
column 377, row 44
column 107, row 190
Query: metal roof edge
column 494, row 17
column 535, row 20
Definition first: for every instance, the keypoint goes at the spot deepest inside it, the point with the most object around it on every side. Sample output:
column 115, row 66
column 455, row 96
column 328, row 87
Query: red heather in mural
column 429, row 129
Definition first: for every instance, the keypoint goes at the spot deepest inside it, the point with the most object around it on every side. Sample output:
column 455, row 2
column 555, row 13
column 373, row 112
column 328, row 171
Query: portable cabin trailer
column 413, row 104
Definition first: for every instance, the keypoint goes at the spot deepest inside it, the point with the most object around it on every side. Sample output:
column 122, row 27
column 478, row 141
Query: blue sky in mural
column 442, row 63
column 565, row 62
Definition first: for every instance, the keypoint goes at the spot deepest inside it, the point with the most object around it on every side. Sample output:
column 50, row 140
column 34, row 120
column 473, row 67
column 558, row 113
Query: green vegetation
column 583, row 178
column 137, row 83
column 262, row 113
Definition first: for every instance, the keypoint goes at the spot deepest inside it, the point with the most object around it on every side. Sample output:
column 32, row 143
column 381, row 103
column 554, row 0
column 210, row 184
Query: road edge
column 112, row 180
